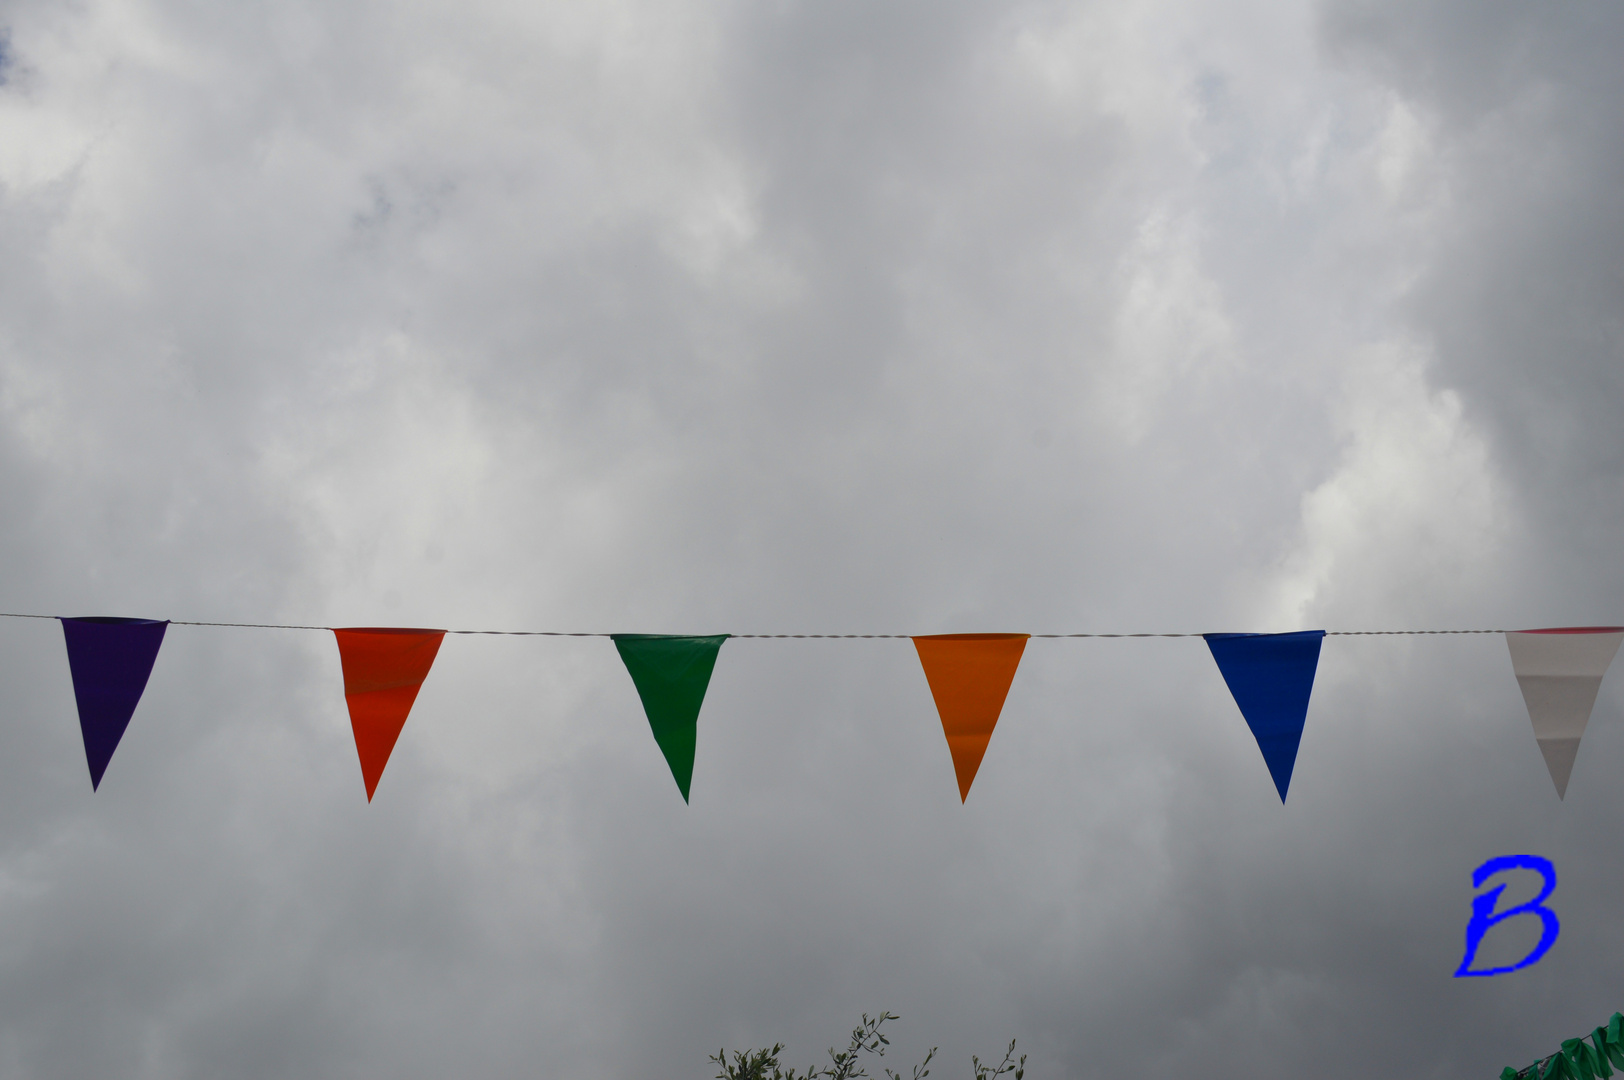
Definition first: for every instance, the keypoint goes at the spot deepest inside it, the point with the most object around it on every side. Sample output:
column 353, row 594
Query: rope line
column 759, row 637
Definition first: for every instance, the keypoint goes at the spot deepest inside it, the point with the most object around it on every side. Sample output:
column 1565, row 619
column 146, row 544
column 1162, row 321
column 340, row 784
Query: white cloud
column 1412, row 521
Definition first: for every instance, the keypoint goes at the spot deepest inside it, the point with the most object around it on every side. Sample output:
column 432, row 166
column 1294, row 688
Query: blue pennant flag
column 110, row 660
column 1271, row 676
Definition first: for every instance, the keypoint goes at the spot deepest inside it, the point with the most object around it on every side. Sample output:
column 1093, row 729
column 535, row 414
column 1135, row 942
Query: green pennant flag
column 671, row 673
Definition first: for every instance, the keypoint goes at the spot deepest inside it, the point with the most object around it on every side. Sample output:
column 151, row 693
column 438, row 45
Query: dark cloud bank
column 807, row 318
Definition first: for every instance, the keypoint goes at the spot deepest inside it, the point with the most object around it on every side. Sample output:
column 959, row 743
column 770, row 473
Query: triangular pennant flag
column 1560, row 672
column 671, row 673
column 384, row 667
column 1271, row 677
column 110, row 660
column 969, row 676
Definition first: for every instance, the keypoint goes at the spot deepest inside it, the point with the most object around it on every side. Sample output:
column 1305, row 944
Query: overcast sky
column 785, row 317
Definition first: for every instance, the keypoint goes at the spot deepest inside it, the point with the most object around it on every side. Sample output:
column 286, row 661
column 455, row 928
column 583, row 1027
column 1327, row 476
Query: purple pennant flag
column 110, row 660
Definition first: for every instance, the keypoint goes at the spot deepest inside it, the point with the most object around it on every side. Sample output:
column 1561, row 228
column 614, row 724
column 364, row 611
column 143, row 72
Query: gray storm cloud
column 802, row 318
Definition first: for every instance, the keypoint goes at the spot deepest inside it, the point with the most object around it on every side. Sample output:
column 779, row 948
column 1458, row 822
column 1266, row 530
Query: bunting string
column 764, row 637
column 1270, row 676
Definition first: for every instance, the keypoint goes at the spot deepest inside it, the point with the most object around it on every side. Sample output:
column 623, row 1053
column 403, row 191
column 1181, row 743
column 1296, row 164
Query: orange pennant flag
column 969, row 676
column 383, row 670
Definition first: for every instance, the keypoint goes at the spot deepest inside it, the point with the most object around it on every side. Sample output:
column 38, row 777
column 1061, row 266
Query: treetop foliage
column 848, row 1064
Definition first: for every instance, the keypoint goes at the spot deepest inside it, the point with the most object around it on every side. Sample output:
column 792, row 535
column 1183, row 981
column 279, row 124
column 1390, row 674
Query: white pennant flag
column 1560, row 673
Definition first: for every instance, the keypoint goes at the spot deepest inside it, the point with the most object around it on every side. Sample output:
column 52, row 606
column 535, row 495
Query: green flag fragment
column 671, row 673
column 1577, row 1060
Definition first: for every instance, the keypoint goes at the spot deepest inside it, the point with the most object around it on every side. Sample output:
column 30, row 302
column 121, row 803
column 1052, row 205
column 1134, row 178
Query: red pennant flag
column 969, row 676
column 383, row 670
